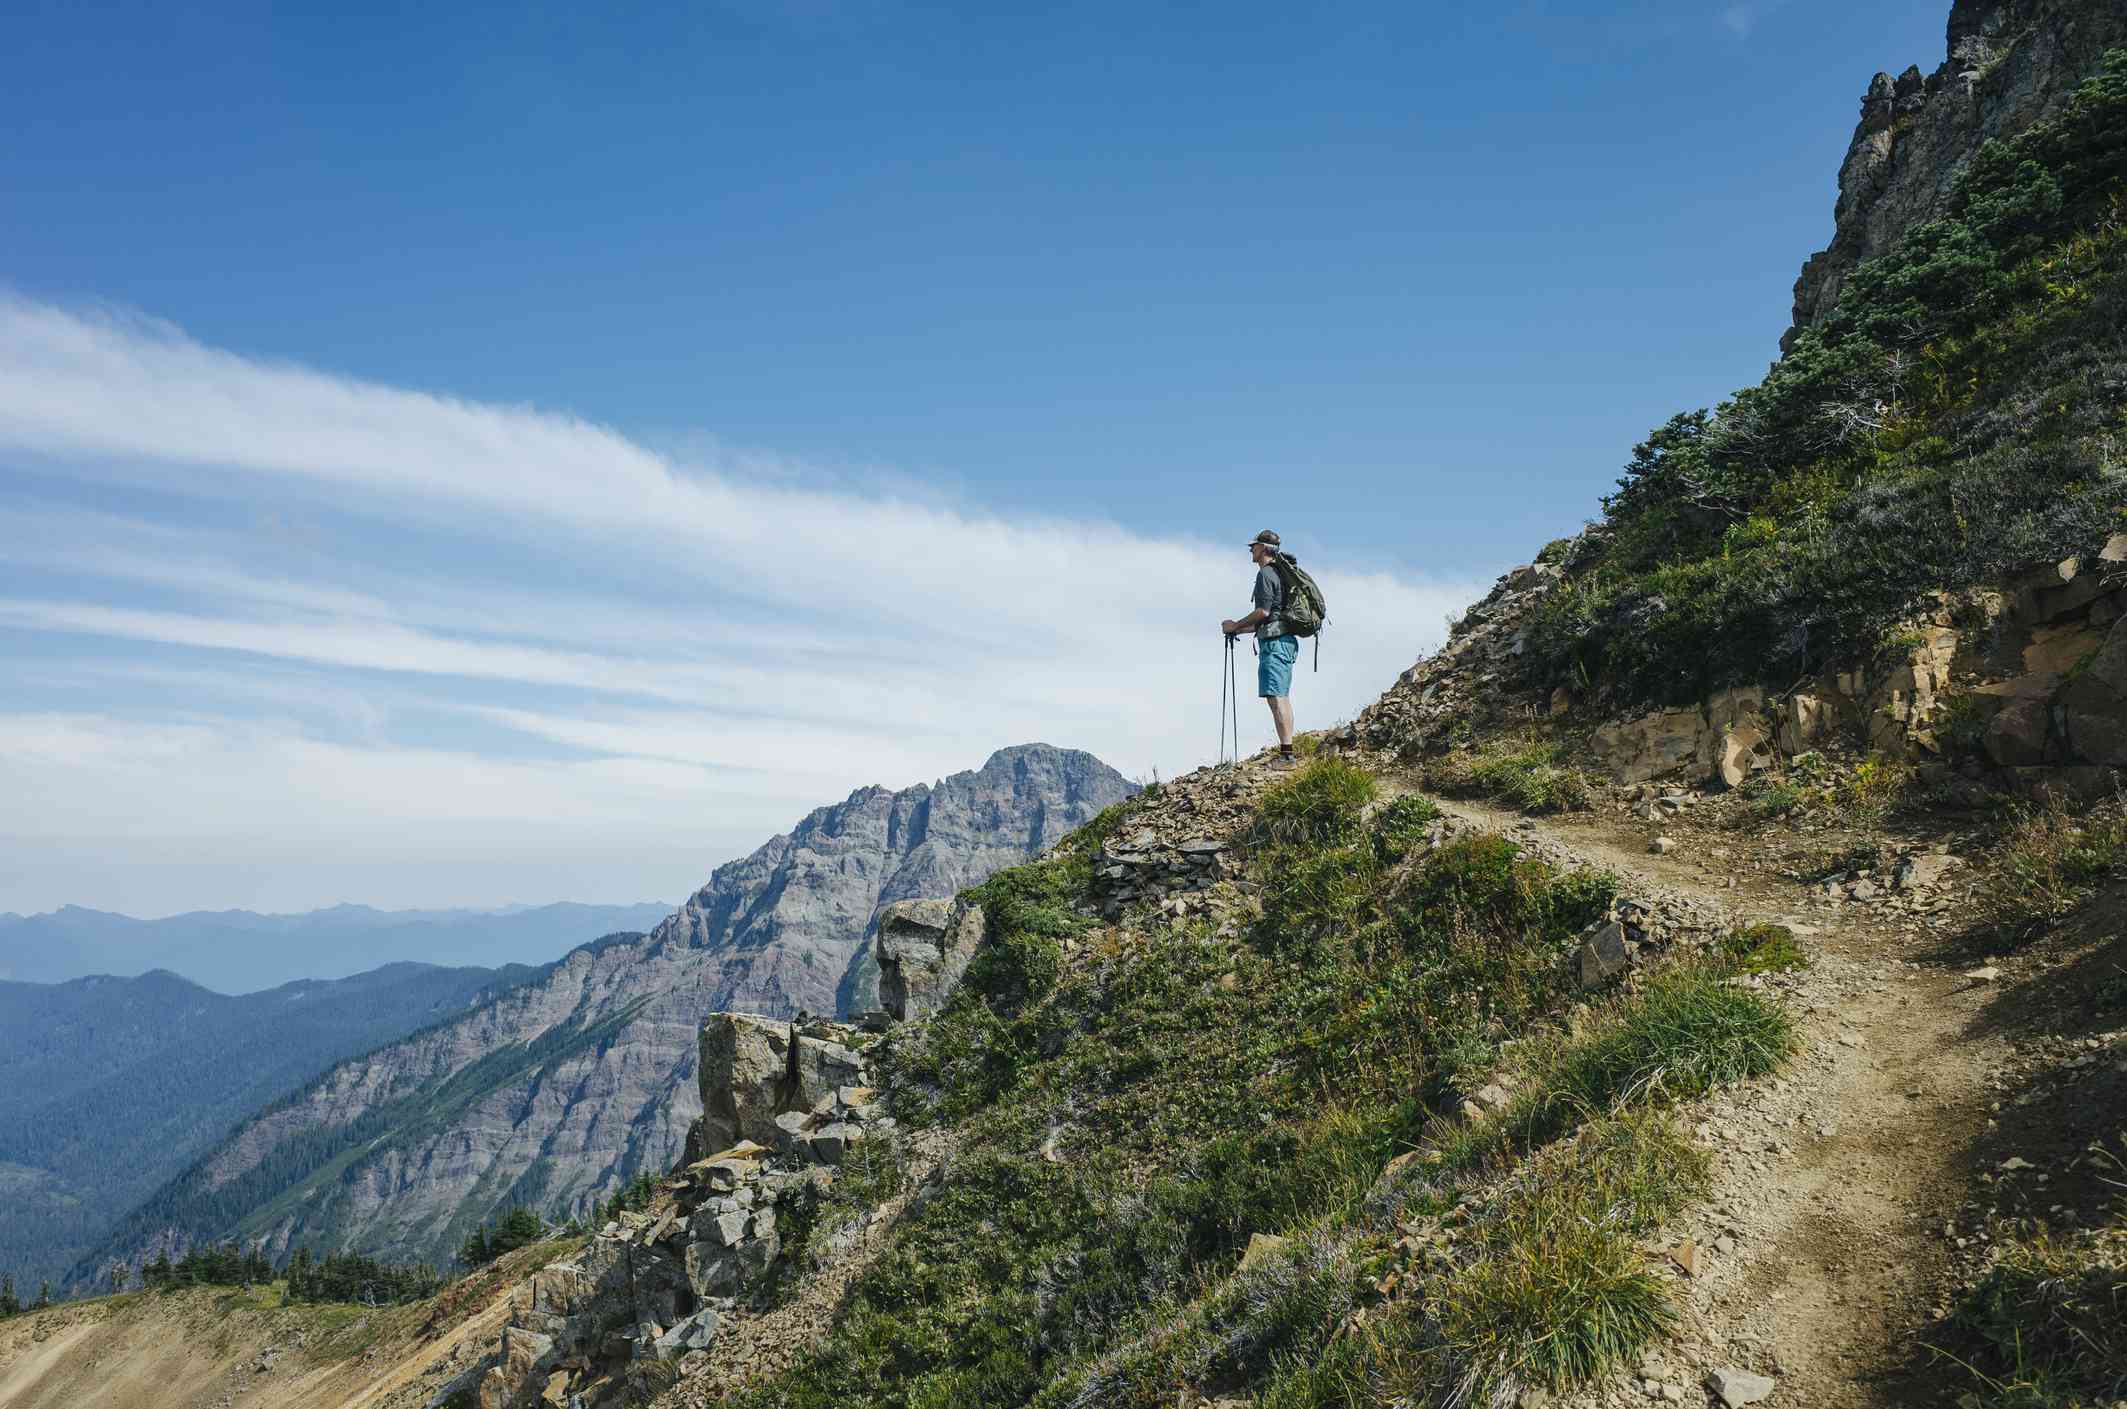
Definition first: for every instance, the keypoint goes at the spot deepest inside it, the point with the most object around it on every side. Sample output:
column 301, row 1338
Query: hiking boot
column 1283, row 763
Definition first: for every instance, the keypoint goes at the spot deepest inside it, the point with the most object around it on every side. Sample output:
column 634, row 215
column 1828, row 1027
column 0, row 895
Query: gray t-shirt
column 1270, row 598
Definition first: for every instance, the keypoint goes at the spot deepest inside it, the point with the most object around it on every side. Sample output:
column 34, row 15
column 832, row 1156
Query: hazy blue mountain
column 109, row 1086
column 237, row 951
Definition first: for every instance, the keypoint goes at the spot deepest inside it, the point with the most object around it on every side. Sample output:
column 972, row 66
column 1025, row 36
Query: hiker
column 1276, row 646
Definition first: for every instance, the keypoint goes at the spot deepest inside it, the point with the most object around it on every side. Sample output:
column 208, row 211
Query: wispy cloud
column 1743, row 16
column 489, row 579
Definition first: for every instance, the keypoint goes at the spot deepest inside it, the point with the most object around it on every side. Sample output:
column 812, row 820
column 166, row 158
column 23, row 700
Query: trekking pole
column 1233, row 695
column 1226, row 688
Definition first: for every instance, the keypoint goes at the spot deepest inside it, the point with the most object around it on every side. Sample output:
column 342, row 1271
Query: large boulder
column 745, row 1075
column 822, row 1067
column 2094, row 706
column 1804, row 721
column 527, row 1356
column 773, row 1084
column 694, row 1333
column 2016, row 736
column 924, row 948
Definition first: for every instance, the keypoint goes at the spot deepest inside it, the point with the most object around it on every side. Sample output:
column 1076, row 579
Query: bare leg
column 1281, row 716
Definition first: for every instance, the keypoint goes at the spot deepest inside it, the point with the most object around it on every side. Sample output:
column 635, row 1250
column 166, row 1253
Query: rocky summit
column 2011, row 63
column 564, row 1088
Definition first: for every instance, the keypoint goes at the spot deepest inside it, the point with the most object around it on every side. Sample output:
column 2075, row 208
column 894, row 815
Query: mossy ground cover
column 1957, row 417
column 1130, row 1109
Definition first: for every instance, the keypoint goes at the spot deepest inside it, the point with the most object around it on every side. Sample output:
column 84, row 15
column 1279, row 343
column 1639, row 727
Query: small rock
column 1988, row 974
column 1662, row 846
column 1686, row 1256
column 1604, row 956
column 1736, row 1388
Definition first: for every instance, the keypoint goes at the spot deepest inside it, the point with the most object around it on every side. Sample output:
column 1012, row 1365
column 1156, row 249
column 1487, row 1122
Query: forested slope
column 109, row 1086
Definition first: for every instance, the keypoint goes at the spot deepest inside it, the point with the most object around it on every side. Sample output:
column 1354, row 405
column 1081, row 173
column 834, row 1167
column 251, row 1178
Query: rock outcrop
column 2025, row 682
column 559, row 1091
column 784, row 1103
column 2010, row 63
column 924, row 948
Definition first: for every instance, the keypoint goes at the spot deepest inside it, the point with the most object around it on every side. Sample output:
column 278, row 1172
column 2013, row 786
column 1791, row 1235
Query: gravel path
column 1818, row 1253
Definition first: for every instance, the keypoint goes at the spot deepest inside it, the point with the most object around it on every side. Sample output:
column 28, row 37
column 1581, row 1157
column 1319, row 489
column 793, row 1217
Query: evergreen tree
column 520, row 1227
column 44, row 1296
column 10, row 1304
column 474, row 1251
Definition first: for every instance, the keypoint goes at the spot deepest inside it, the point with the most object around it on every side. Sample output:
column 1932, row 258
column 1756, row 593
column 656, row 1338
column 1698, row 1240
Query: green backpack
column 1306, row 609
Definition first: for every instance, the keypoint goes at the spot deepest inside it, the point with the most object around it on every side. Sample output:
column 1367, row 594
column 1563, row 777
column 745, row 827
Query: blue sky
column 469, row 455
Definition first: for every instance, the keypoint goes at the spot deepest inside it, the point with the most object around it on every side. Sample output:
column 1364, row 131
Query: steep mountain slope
column 1948, row 426
column 2009, row 65
column 110, row 1086
column 559, row 1091
column 237, row 951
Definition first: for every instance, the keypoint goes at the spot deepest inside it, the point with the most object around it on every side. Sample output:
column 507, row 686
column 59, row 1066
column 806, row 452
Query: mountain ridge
column 235, row 952
column 554, row 1093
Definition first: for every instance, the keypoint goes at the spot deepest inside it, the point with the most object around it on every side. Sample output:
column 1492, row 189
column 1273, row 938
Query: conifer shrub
column 1953, row 419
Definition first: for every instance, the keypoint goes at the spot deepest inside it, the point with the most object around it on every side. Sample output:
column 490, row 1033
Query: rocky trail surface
column 1820, row 1253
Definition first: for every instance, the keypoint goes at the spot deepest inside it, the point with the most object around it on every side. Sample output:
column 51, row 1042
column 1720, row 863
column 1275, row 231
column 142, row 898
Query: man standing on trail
column 1276, row 648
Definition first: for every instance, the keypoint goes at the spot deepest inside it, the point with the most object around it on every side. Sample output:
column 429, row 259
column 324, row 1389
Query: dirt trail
column 1819, row 1248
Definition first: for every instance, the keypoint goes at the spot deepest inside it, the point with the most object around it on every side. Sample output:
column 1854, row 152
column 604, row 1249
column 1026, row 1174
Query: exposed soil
column 214, row 1348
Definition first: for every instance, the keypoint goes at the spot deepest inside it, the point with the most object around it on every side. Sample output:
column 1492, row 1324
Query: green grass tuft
column 1524, row 773
column 1686, row 1031
column 1319, row 805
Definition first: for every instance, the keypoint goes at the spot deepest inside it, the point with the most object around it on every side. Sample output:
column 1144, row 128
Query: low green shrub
column 1401, row 826
column 1771, row 797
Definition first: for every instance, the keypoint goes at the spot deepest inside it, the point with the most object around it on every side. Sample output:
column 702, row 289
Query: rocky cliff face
column 560, row 1091
column 2011, row 63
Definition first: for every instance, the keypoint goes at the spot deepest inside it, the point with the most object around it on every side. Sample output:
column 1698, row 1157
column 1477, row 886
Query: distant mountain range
column 237, row 951
column 559, row 1091
column 110, row 1086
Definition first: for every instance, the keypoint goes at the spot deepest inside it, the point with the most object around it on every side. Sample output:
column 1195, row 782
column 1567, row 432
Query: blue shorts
column 1274, row 660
